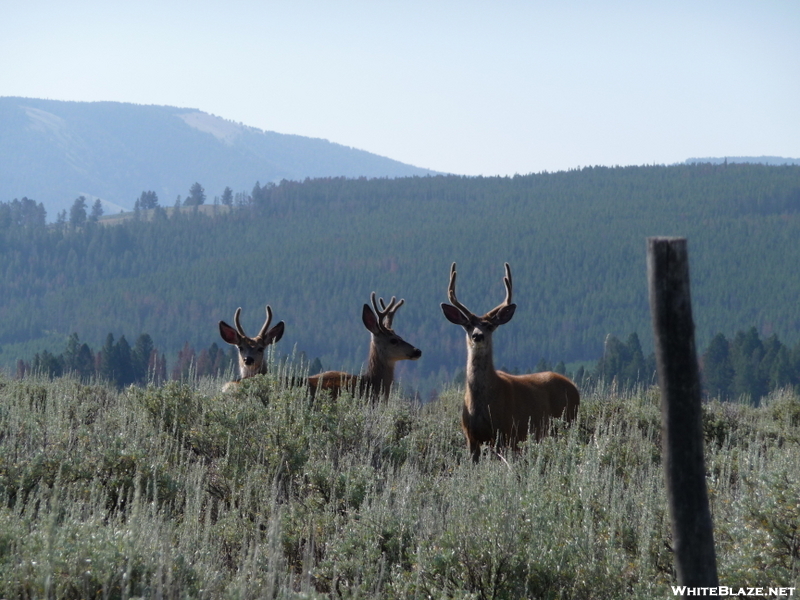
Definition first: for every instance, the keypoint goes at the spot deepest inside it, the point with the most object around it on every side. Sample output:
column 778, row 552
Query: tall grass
column 181, row 492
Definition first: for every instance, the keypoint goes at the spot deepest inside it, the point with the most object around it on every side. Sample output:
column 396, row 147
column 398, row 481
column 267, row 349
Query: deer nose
column 477, row 336
column 249, row 360
column 416, row 353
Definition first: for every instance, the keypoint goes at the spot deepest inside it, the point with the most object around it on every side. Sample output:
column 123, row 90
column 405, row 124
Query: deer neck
column 481, row 375
column 380, row 370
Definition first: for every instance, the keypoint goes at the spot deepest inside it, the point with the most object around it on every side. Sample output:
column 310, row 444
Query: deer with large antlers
column 500, row 409
column 251, row 350
column 385, row 349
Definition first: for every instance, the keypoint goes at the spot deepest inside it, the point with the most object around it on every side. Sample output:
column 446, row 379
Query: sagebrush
column 181, row 492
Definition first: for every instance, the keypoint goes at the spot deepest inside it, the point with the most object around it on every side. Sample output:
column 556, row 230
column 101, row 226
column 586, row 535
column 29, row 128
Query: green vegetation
column 315, row 250
column 119, row 364
column 178, row 491
column 745, row 368
column 749, row 367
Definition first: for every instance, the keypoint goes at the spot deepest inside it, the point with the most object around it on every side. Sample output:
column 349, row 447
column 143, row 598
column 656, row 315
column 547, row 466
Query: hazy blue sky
column 464, row 87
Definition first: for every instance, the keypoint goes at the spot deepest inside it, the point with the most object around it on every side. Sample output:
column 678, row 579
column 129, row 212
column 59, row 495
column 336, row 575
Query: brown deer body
column 499, row 408
column 251, row 350
column 385, row 349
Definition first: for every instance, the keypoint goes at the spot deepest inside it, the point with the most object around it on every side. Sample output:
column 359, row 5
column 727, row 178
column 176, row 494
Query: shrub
column 180, row 491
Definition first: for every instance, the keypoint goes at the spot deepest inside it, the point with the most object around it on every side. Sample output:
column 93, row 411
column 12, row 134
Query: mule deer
column 385, row 349
column 251, row 350
column 500, row 409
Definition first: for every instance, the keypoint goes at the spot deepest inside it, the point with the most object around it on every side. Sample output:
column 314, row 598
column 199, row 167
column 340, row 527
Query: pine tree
column 84, row 363
column 148, row 200
column 196, row 197
column 124, row 364
column 22, row 369
column 47, row 364
column 71, row 352
column 97, row 210
column 613, row 361
column 140, row 357
column 106, row 360
column 635, row 369
column 718, row 368
column 77, row 214
column 227, row 197
column 776, row 366
column 747, row 352
column 316, row 366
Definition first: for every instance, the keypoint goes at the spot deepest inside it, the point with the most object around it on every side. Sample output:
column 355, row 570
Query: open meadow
column 181, row 492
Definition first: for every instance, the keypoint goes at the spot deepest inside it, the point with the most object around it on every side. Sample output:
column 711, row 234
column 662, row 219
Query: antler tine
column 378, row 311
column 390, row 311
column 451, row 293
column 386, row 312
column 265, row 328
column 392, row 306
column 237, row 323
column 508, row 283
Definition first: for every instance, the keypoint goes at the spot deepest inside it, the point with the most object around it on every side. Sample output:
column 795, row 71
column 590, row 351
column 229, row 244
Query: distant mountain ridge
column 54, row 151
column 759, row 160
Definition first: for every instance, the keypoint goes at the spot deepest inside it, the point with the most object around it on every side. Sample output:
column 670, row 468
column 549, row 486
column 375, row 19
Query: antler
column 451, row 294
column 261, row 333
column 386, row 313
column 236, row 322
column 265, row 328
column 507, row 301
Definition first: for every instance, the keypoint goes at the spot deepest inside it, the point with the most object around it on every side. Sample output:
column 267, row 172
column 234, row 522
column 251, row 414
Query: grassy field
column 180, row 492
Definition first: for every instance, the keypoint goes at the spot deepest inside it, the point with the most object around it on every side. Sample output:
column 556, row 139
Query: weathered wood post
column 681, row 412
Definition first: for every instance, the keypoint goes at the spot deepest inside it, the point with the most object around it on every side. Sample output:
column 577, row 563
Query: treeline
column 315, row 250
column 622, row 364
column 745, row 366
column 118, row 363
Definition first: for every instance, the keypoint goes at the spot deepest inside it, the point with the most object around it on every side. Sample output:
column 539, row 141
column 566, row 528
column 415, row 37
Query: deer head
column 388, row 346
column 479, row 329
column 251, row 350
column 385, row 349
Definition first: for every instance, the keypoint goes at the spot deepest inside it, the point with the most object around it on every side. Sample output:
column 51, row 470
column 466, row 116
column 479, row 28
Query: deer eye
column 394, row 341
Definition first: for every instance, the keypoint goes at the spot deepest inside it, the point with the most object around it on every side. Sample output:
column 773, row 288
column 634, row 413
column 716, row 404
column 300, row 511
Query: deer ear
column 452, row 314
column 275, row 334
column 228, row 333
column 505, row 314
column 370, row 320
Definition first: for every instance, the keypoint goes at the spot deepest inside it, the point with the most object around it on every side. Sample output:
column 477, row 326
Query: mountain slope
column 314, row 251
column 55, row 151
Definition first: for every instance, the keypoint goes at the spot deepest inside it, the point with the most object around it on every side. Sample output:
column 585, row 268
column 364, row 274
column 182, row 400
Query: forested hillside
column 315, row 250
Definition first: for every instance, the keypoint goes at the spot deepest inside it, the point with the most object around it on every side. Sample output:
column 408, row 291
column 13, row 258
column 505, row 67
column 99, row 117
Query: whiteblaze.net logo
column 723, row 590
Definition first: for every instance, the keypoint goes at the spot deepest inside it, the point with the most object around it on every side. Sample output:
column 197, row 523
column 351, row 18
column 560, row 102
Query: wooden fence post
column 681, row 412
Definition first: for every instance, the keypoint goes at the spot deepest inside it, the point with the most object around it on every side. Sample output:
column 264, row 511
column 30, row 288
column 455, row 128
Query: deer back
column 529, row 402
